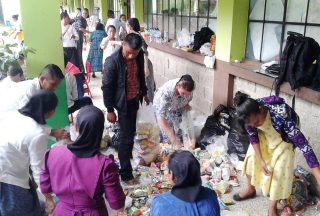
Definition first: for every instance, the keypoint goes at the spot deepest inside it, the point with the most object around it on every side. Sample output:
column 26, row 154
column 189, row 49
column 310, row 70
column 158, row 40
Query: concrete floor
column 253, row 207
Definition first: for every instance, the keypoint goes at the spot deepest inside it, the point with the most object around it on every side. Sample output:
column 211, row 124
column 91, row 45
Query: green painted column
column 231, row 31
column 138, row 10
column 104, row 10
column 77, row 4
column 86, row 4
column 44, row 36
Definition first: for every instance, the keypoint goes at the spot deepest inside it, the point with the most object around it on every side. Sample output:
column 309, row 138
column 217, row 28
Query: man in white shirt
column 74, row 102
column 113, row 21
column 49, row 79
column 15, row 74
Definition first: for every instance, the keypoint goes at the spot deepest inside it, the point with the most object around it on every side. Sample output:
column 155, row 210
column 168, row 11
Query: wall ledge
column 245, row 70
column 191, row 56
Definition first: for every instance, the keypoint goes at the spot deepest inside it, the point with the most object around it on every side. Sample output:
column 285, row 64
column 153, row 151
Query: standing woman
column 23, row 143
column 79, row 175
column 170, row 101
column 69, row 39
column 95, row 53
column 273, row 130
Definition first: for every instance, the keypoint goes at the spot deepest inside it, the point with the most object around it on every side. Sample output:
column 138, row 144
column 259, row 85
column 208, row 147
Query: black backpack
column 298, row 61
column 201, row 37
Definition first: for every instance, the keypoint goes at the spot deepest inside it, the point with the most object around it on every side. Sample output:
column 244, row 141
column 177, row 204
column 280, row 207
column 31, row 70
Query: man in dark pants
column 80, row 25
column 123, row 87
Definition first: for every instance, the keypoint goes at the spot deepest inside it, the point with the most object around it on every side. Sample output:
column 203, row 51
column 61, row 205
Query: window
column 174, row 15
column 270, row 20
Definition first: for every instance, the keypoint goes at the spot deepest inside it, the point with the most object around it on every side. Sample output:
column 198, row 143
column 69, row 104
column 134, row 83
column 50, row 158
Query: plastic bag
column 188, row 136
column 214, row 127
column 184, row 38
column 147, row 134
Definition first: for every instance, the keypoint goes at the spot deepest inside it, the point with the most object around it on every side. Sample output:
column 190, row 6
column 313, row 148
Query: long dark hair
column 187, row 83
column 134, row 23
column 245, row 106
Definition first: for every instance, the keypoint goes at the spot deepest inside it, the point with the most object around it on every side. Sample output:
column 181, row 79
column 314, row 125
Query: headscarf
column 186, row 172
column 90, row 121
column 134, row 23
column 39, row 104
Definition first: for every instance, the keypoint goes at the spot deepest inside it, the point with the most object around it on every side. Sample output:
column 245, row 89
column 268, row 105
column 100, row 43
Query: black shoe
column 237, row 197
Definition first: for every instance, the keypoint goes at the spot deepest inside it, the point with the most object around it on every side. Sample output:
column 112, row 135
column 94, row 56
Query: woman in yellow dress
column 273, row 130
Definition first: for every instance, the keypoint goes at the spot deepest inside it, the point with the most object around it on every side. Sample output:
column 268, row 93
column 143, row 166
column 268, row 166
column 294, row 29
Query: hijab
column 39, row 104
column 90, row 121
column 186, row 172
column 134, row 23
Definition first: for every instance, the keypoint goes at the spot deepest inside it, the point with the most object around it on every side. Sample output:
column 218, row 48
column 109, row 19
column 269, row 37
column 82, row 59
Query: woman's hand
column 187, row 108
column 264, row 168
column 316, row 172
column 50, row 204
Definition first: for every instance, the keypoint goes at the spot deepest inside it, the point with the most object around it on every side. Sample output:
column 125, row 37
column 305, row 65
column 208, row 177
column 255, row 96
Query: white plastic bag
column 184, row 38
column 188, row 136
column 147, row 134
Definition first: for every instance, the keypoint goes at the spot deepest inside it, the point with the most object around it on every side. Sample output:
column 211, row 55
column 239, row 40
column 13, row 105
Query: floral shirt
column 285, row 122
column 166, row 101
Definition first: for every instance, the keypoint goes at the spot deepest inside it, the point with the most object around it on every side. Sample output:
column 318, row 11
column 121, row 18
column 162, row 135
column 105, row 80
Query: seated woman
column 23, row 144
column 79, row 175
column 170, row 101
column 273, row 130
column 187, row 197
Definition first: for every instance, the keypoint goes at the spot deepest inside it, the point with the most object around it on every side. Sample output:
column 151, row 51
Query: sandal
column 237, row 197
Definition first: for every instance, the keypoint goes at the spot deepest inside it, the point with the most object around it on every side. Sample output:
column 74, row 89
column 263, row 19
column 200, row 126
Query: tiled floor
column 253, row 207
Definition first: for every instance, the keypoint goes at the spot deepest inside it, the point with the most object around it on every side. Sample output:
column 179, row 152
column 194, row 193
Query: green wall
column 138, row 10
column 42, row 30
column 231, row 31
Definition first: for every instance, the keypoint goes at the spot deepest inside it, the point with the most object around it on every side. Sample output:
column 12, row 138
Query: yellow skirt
column 279, row 157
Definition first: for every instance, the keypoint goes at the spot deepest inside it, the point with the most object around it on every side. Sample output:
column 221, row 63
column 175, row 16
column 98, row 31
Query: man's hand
column 112, row 117
column 146, row 99
column 50, row 205
column 146, row 71
column 187, row 108
column 60, row 133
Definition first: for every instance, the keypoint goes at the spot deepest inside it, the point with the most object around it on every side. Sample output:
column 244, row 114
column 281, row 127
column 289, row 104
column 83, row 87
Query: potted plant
column 10, row 52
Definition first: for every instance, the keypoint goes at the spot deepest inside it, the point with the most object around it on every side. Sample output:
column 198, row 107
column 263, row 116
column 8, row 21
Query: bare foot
column 272, row 211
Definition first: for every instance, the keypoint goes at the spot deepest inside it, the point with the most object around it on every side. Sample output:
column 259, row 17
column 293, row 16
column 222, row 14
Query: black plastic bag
column 215, row 126
column 201, row 37
column 238, row 140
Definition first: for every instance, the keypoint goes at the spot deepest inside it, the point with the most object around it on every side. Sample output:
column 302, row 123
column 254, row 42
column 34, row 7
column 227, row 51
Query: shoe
column 237, row 197
column 93, row 76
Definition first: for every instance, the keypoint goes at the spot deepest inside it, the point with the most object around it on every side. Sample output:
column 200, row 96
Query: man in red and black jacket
column 123, row 87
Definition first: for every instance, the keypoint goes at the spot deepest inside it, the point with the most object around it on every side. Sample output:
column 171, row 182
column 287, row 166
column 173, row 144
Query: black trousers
column 79, row 52
column 70, row 55
column 127, row 122
column 78, row 104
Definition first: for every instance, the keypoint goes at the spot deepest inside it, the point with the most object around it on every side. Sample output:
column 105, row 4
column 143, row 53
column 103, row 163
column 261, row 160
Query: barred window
column 174, row 15
column 270, row 20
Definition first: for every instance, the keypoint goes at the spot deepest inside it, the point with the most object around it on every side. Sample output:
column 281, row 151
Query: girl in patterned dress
column 95, row 53
column 274, row 133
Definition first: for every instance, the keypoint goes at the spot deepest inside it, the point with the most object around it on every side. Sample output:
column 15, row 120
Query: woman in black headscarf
column 23, row 143
column 187, row 197
column 79, row 172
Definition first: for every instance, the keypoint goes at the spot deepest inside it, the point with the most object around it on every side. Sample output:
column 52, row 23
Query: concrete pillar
column 231, row 31
column 77, row 4
column 43, row 34
column 86, row 4
column 138, row 10
column 104, row 10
